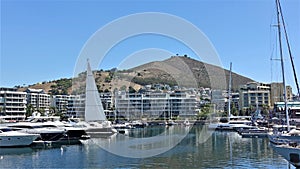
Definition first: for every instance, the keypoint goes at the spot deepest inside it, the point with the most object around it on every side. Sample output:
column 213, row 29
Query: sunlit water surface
column 220, row 150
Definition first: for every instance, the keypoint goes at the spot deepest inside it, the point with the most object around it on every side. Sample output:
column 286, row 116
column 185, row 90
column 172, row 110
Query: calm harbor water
column 220, row 150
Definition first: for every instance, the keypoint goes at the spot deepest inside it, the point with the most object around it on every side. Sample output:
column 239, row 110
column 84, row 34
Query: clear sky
column 41, row 40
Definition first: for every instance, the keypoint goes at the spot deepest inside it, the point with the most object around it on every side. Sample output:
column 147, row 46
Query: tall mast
column 289, row 49
column 229, row 91
column 282, row 67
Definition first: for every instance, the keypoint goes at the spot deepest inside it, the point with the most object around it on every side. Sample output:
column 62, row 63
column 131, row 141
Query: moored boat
column 10, row 138
column 52, row 132
column 235, row 123
column 284, row 137
column 254, row 132
column 290, row 151
column 95, row 121
column 123, row 128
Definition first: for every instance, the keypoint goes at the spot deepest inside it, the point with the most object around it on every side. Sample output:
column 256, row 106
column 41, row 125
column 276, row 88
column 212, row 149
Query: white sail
column 93, row 106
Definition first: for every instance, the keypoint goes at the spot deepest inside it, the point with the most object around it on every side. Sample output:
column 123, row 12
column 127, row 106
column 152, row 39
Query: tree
column 53, row 110
column 1, row 109
column 205, row 111
column 42, row 111
column 131, row 89
column 265, row 110
column 29, row 110
column 107, row 79
column 234, row 110
column 123, row 88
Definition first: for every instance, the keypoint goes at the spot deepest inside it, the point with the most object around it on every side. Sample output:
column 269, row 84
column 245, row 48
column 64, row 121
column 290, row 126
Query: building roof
column 30, row 90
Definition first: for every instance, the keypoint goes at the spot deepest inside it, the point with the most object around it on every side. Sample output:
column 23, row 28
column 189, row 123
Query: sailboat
column 287, row 143
column 95, row 121
column 278, row 137
column 232, row 122
column 291, row 152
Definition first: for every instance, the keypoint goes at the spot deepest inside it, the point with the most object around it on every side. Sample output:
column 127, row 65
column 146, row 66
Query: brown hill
column 184, row 71
column 177, row 70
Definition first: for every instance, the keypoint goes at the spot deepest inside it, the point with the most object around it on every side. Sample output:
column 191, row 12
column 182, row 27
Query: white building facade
column 12, row 104
column 154, row 105
column 38, row 99
column 255, row 94
column 60, row 102
column 75, row 106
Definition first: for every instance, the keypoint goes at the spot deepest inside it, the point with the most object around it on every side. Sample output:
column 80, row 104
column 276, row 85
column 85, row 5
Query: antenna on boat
column 282, row 66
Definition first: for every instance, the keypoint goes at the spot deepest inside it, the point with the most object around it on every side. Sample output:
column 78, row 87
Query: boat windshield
column 5, row 129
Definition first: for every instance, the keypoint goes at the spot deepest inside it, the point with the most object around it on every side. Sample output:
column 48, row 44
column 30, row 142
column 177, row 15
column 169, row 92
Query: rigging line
column 289, row 49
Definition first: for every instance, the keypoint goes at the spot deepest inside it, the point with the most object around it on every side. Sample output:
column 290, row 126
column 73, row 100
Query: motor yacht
column 10, row 138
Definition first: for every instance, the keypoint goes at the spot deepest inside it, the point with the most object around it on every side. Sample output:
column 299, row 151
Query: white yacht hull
column 16, row 139
column 291, row 154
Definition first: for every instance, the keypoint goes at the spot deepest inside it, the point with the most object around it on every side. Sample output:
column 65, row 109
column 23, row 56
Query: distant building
column 60, row 102
column 234, row 102
column 107, row 100
column 12, row 103
column 154, row 105
column 277, row 93
column 218, row 98
column 76, row 106
column 38, row 99
column 253, row 94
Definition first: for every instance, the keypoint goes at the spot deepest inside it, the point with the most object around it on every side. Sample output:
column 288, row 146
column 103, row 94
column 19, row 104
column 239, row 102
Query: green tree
column 123, row 87
column 234, row 110
column 265, row 110
column 42, row 111
column 107, row 79
column 29, row 110
column 53, row 110
column 205, row 111
column 131, row 89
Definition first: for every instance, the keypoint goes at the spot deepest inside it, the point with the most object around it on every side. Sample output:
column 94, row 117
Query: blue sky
column 41, row 40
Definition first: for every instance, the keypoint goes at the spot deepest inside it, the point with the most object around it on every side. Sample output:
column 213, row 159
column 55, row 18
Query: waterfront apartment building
column 153, row 105
column 107, row 100
column 75, row 106
column 218, row 98
column 38, row 99
column 12, row 103
column 60, row 102
column 277, row 93
column 234, row 103
column 254, row 93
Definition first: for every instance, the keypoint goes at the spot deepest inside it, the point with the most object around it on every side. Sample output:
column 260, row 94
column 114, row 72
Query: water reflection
column 222, row 149
column 201, row 148
column 14, row 151
column 144, row 143
column 196, row 150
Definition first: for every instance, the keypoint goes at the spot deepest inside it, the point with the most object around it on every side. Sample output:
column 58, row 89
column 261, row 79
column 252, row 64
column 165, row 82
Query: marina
column 149, row 89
